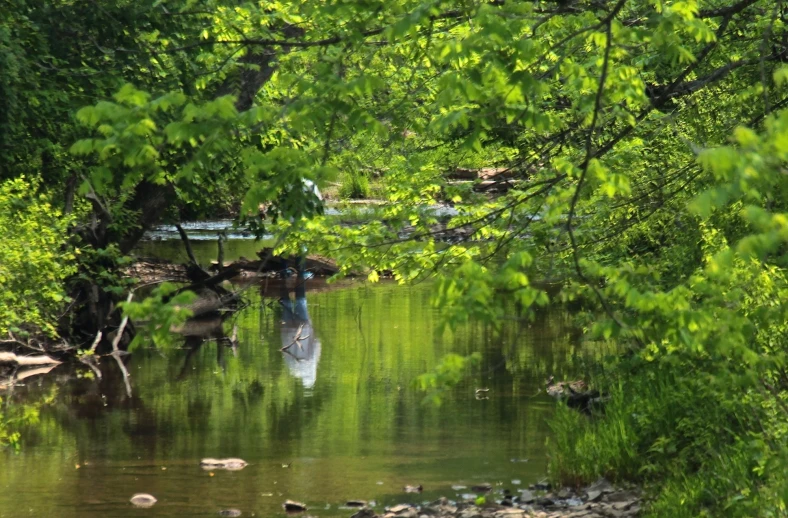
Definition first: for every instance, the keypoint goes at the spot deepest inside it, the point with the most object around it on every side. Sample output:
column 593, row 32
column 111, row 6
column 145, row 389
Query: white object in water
column 143, row 500
column 309, row 185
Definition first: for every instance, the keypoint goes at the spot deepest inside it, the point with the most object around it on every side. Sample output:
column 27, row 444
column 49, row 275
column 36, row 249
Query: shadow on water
column 316, row 396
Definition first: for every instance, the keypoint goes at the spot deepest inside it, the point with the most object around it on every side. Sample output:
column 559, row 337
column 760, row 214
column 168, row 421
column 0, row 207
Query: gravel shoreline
column 599, row 500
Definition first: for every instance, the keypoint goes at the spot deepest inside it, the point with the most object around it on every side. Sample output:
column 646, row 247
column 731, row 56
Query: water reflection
column 300, row 343
column 362, row 419
column 198, row 331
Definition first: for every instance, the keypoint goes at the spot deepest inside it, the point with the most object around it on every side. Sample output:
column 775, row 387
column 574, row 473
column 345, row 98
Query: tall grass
column 355, row 185
column 701, row 447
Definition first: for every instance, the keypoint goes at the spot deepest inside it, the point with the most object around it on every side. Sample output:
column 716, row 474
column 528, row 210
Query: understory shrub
column 35, row 259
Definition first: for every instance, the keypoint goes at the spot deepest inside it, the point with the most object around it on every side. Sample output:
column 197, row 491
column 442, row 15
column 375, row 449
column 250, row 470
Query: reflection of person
column 299, row 343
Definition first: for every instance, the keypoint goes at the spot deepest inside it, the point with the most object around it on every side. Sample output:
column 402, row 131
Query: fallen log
column 317, row 264
column 6, row 357
column 269, row 263
column 208, row 302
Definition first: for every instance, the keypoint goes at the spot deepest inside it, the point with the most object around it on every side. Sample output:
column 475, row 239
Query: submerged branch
column 187, row 244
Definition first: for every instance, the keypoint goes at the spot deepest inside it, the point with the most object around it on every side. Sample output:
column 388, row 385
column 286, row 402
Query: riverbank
column 598, row 500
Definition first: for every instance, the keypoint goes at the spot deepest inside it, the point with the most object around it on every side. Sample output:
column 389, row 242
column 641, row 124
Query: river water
column 336, row 419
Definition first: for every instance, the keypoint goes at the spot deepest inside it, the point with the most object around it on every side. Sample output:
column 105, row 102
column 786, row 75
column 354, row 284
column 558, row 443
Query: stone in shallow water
column 294, row 507
column 365, row 513
column 356, row 503
column 143, row 500
column 527, row 497
column 544, row 501
column 471, row 512
column 231, row 464
column 623, row 496
column 593, row 496
column 601, row 485
column 230, row 513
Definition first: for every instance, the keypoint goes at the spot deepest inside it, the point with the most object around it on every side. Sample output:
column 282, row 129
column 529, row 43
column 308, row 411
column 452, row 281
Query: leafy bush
column 157, row 314
column 355, row 185
column 35, row 258
column 698, row 411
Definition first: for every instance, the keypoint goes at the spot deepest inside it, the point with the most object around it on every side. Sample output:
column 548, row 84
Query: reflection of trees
column 198, row 331
column 375, row 342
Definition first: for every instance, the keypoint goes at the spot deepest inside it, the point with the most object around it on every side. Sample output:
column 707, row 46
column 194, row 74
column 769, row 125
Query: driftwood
column 116, row 352
column 210, row 302
column 316, row 264
column 26, row 361
column 21, row 374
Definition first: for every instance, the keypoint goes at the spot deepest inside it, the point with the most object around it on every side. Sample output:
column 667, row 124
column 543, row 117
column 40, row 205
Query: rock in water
column 482, row 488
column 294, row 507
column 143, row 500
column 413, row 489
column 231, row 464
column 356, row 503
column 593, row 496
column 527, row 497
column 471, row 512
column 601, row 485
column 230, row 513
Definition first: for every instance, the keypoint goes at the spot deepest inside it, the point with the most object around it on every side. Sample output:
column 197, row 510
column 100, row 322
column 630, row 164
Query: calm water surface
column 340, row 410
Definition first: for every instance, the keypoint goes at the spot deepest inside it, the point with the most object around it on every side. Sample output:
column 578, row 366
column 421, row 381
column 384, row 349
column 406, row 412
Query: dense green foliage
column 34, row 263
column 640, row 147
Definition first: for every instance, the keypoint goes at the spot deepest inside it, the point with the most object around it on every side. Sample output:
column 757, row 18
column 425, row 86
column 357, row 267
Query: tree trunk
column 95, row 307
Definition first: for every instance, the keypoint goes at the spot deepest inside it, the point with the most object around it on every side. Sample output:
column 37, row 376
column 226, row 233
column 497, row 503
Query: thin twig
column 116, row 352
column 587, row 161
column 96, row 341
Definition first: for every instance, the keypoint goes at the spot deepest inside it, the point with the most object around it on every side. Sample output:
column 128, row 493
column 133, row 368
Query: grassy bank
column 700, row 443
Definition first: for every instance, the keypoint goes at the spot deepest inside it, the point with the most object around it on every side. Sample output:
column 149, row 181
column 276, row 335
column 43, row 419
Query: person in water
column 299, row 342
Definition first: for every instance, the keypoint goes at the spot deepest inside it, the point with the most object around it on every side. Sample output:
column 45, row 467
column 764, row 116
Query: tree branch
column 587, row 161
column 187, row 244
